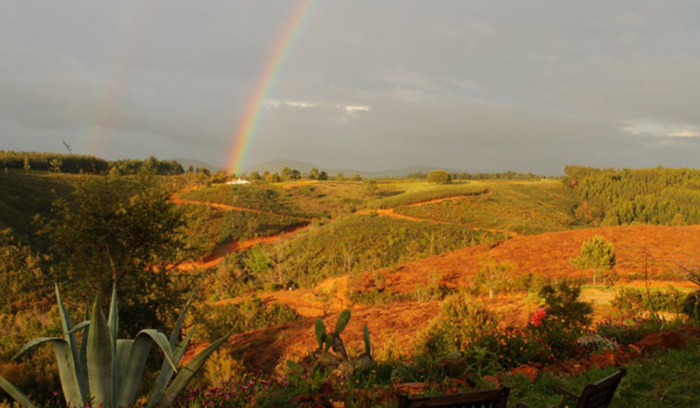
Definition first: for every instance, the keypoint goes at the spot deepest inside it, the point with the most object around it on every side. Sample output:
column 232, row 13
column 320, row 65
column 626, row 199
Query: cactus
column 338, row 359
column 107, row 371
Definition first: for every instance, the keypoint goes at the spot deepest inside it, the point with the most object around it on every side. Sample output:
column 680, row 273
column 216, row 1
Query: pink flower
column 537, row 317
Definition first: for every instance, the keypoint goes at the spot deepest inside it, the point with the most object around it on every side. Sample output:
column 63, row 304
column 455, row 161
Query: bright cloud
column 660, row 130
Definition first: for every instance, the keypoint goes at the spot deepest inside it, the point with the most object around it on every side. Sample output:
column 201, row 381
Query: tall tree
column 117, row 231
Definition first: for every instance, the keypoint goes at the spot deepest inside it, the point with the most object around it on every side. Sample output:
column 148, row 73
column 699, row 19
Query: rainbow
column 98, row 141
column 275, row 62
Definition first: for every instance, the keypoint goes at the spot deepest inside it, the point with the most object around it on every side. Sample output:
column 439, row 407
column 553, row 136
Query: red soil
column 397, row 324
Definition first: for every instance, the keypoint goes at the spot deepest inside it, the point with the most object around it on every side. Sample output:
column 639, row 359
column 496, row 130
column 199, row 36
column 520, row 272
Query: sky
column 369, row 84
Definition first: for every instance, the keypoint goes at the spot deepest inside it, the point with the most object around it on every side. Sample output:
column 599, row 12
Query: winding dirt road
column 390, row 212
column 218, row 255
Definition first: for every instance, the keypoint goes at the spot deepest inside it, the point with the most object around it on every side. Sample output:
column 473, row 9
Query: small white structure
column 239, row 181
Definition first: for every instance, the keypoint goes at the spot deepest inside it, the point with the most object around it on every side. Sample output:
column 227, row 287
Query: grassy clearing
column 329, row 198
column 255, row 197
column 523, row 207
column 406, row 193
column 359, row 243
column 209, row 227
column 665, row 379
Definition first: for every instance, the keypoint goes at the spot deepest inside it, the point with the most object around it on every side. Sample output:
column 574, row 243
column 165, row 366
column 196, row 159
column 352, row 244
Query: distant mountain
column 197, row 164
column 304, row 167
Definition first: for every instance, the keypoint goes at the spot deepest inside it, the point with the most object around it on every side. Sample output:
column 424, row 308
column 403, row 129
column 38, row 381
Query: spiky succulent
column 105, row 371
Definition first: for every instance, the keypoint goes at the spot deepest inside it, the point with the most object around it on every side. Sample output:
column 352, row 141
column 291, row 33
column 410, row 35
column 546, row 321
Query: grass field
column 210, row 227
column 255, row 197
column 411, row 192
column 23, row 196
column 522, row 207
column 367, row 242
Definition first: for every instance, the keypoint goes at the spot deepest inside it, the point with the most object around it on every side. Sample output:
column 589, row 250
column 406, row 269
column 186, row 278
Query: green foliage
column 561, row 302
column 565, row 318
column 596, row 254
column 653, row 300
column 433, row 193
column 217, row 320
column 495, row 276
column 21, row 277
column 439, row 177
column 255, row 197
column 462, row 323
column 522, row 207
column 151, row 165
column 209, row 227
column 23, row 197
column 661, row 196
column 64, row 163
column 119, row 231
column 369, row 243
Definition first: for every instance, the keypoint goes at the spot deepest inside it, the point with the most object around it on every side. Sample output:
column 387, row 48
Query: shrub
column 461, row 323
column 563, row 319
column 495, row 276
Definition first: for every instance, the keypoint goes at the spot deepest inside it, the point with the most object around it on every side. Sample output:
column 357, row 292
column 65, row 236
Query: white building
column 239, row 181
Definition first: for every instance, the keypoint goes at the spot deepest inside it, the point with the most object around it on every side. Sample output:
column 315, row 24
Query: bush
column 439, row 177
column 563, row 319
column 461, row 323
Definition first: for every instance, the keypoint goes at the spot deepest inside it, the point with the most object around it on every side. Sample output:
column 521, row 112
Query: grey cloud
column 487, row 85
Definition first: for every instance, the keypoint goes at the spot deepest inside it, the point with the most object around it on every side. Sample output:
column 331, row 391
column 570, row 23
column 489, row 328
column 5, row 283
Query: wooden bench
column 596, row 395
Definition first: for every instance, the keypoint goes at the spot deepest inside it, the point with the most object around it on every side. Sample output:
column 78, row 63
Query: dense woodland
column 661, row 196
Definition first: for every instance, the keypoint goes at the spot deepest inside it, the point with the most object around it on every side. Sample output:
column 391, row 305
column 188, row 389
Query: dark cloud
column 489, row 85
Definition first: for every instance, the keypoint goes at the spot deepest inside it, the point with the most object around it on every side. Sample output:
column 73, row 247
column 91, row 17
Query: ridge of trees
column 661, row 196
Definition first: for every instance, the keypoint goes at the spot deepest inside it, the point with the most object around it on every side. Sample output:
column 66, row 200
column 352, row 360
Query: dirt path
column 215, row 258
column 218, row 255
column 225, row 207
column 389, row 212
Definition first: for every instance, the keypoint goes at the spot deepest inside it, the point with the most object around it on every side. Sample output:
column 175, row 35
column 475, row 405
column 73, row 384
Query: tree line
column 508, row 175
column 77, row 164
column 661, row 196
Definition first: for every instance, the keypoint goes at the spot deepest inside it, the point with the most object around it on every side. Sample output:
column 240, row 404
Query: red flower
column 537, row 317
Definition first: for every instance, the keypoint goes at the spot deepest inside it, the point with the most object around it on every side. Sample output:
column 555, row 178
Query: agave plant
column 106, row 371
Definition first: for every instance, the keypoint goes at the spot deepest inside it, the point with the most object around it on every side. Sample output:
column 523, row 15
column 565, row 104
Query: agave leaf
column 69, row 335
column 320, row 330
column 33, row 343
column 15, row 393
column 137, row 363
column 113, row 323
column 79, row 326
column 175, row 334
column 100, row 359
column 68, row 372
column 66, row 369
column 123, row 353
column 343, row 320
column 166, row 371
column 186, row 374
column 83, row 353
